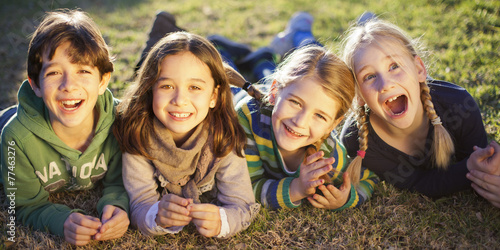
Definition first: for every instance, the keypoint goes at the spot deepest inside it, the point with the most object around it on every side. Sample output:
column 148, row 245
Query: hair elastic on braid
column 246, row 86
column 361, row 153
column 436, row 121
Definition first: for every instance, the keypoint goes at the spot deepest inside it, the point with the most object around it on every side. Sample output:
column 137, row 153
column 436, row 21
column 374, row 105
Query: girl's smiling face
column 183, row 94
column 302, row 115
column 388, row 78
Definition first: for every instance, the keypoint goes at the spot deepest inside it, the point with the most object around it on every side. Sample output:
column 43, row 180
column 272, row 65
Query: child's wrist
column 295, row 194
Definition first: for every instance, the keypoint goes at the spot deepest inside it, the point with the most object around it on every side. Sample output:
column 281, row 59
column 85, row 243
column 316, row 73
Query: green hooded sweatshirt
column 35, row 163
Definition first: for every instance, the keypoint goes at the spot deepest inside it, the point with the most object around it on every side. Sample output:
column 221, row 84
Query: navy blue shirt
column 459, row 114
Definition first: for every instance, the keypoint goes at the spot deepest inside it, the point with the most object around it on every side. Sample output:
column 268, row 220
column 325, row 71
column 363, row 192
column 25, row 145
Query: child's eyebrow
column 325, row 114
column 48, row 65
column 386, row 58
column 194, row 79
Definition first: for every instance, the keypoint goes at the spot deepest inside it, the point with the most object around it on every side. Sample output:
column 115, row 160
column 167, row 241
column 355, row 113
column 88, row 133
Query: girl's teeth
column 291, row 131
column 392, row 99
column 180, row 115
column 396, row 105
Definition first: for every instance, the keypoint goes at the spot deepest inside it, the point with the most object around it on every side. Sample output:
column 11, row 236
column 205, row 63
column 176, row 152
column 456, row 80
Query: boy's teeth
column 71, row 105
column 71, row 102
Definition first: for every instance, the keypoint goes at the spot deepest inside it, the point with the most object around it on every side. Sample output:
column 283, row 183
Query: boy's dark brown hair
column 133, row 126
column 74, row 26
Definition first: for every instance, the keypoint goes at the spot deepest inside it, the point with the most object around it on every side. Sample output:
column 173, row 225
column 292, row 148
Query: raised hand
column 309, row 177
column 333, row 197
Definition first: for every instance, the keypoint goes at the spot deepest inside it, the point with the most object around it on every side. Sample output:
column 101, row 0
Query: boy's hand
column 310, row 171
column 333, row 198
column 485, row 159
column 207, row 219
column 173, row 211
column 79, row 228
column 115, row 223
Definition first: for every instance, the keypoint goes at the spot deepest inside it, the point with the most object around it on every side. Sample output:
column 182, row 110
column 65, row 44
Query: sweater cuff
column 353, row 198
column 57, row 226
column 286, row 194
column 118, row 198
column 224, row 227
column 155, row 228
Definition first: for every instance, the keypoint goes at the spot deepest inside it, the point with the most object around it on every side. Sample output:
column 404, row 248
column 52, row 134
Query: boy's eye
column 85, row 71
column 194, row 88
column 52, row 73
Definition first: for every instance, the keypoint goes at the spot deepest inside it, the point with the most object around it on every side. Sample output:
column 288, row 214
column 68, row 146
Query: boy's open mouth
column 396, row 105
column 71, row 104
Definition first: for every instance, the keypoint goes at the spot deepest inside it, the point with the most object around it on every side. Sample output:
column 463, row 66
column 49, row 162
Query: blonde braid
column 354, row 168
column 442, row 145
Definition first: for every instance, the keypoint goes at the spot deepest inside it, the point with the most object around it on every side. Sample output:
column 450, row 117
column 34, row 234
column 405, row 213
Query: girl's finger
column 331, row 192
column 315, row 203
column 314, row 157
column 326, row 192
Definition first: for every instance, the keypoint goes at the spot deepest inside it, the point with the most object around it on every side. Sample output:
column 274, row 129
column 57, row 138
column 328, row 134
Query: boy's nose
column 68, row 83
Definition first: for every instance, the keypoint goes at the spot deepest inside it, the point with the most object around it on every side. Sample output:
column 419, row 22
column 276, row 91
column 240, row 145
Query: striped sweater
column 270, row 180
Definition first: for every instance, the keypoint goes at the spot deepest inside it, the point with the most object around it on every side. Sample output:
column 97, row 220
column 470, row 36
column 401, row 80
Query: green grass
column 462, row 38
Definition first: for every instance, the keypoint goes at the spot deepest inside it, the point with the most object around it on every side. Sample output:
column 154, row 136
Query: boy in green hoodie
column 60, row 139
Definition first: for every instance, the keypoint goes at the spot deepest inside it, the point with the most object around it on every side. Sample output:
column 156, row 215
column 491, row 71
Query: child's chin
column 291, row 146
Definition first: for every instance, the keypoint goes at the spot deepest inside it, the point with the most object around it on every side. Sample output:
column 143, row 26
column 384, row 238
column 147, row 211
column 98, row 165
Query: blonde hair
column 375, row 30
column 325, row 68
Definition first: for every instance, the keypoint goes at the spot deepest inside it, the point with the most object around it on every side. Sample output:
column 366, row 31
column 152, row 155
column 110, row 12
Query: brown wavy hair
column 74, row 26
column 133, row 127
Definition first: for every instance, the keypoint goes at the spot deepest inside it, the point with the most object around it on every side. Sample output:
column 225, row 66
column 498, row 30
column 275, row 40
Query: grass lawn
column 463, row 40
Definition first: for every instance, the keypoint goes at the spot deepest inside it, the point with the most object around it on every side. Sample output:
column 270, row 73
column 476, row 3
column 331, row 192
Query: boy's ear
column 421, row 70
column 104, row 82
column 35, row 88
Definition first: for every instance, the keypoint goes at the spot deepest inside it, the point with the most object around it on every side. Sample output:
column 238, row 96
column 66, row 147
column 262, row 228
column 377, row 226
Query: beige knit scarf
column 188, row 167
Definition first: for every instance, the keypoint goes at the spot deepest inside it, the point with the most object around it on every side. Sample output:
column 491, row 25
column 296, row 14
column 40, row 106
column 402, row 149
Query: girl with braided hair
column 414, row 132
